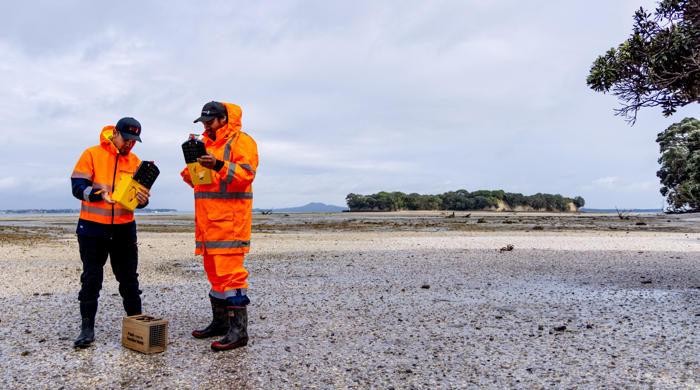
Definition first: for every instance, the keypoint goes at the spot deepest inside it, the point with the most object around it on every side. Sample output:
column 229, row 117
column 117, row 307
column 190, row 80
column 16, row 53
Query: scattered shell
column 321, row 324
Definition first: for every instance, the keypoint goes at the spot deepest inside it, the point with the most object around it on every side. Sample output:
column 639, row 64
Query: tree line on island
column 460, row 200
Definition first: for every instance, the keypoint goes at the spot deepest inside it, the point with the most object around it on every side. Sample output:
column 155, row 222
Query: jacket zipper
column 114, row 177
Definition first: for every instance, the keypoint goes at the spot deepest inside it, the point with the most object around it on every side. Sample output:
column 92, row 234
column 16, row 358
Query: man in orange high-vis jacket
column 223, row 215
column 105, row 228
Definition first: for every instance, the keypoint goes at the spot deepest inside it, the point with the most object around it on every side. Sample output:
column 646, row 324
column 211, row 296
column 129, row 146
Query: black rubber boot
column 132, row 306
column 87, row 334
column 88, row 310
column 237, row 335
column 219, row 325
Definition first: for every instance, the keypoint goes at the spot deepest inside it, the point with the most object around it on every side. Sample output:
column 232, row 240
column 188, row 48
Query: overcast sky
column 341, row 96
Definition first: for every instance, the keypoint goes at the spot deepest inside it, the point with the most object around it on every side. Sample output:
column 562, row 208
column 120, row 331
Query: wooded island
column 463, row 200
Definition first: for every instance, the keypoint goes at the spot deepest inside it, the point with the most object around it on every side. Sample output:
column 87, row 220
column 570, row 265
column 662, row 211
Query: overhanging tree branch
column 658, row 66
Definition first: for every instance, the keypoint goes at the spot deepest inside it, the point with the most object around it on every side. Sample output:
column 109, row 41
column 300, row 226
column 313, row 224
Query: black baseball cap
column 129, row 128
column 211, row 111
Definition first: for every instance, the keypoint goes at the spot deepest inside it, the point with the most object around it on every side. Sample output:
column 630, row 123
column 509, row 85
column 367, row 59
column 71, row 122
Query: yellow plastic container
column 192, row 149
column 199, row 174
column 125, row 193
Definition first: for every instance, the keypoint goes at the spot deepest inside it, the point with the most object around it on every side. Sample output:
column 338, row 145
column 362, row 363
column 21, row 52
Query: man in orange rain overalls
column 105, row 228
column 223, row 215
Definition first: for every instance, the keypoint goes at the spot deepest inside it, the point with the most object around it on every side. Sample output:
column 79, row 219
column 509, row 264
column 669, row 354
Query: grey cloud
column 340, row 96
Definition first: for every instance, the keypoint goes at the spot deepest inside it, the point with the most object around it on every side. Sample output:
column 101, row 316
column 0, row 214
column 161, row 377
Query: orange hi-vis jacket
column 103, row 166
column 223, row 209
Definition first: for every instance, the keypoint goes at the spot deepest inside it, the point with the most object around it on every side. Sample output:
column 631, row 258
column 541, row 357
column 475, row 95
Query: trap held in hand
column 128, row 186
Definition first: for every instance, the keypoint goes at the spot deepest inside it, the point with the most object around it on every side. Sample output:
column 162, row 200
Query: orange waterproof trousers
column 227, row 277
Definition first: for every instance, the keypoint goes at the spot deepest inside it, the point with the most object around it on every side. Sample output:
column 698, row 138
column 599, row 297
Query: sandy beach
column 375, row 301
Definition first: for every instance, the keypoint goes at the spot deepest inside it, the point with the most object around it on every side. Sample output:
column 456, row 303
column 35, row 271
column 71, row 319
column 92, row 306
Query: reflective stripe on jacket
column 102, row 165
column 223, row 209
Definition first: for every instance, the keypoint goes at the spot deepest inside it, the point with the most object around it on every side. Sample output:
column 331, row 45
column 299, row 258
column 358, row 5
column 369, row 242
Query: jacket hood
column 106, row 138
column 233, row 126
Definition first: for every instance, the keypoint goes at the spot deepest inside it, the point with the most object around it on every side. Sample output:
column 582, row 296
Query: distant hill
column 587, row 210
column 313, row 207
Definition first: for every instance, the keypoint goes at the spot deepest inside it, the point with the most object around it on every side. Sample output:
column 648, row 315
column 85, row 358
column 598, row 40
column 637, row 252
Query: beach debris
column 481, row 221
column 467, row 216
column 451, row 215
column 560, row 328
column 263, row 212
column 621, row 213
column 538, row 227
column 640, row 223
column 507, row 248
column 425, row 286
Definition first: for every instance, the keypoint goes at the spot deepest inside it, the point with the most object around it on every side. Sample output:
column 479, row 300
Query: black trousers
column 123, row 256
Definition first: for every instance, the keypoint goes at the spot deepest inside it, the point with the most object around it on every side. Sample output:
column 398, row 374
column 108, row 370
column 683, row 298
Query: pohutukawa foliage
column 680, row 165
column 659, row 65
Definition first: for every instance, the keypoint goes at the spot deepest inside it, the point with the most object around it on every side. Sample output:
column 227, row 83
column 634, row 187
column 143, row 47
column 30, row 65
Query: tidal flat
column 375, row 301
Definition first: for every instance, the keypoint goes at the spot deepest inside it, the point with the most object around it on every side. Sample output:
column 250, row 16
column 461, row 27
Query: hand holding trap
column 128, row 187
column 193, row 149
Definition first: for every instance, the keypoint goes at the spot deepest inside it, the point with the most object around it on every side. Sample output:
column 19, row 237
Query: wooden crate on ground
column 145, row 333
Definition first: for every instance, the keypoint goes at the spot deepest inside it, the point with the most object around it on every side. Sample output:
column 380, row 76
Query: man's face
column 124, row 145
column 213, row 125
